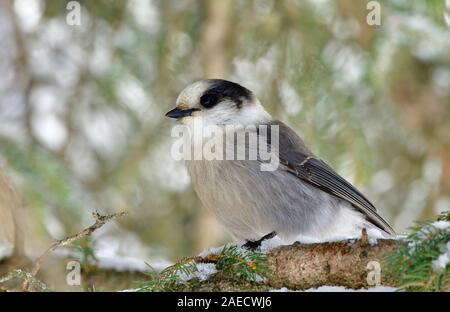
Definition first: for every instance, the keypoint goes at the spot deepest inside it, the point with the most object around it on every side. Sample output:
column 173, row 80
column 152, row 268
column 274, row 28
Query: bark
column 303, row 266
column 11, row 217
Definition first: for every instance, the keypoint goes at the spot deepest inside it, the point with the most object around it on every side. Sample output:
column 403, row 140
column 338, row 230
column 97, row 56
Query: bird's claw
column 253, row 245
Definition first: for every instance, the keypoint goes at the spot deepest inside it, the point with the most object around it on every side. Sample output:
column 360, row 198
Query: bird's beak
column 180, row 113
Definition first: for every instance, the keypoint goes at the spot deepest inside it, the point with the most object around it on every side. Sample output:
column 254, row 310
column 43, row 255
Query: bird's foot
column 253, row 245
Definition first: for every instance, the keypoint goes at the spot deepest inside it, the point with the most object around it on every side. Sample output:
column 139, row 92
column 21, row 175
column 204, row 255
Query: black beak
column 180, row 113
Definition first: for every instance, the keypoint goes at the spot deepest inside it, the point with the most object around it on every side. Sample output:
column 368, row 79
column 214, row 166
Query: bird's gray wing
column 300, row 161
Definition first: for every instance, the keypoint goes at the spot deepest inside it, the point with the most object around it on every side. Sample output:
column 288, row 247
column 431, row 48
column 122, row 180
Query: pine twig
column 100, row 220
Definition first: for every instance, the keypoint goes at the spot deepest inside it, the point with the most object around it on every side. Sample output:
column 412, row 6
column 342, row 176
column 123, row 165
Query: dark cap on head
column 220, row 90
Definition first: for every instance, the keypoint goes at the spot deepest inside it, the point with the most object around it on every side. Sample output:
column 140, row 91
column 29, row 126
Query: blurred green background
column 82, row 124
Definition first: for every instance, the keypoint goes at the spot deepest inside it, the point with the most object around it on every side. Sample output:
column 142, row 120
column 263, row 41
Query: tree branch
column 100, row 220
column 302, row 266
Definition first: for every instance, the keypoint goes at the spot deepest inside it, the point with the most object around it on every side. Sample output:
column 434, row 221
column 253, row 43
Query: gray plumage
column 304, row 197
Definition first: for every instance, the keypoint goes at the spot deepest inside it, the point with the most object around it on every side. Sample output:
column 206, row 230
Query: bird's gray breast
column 251, row 203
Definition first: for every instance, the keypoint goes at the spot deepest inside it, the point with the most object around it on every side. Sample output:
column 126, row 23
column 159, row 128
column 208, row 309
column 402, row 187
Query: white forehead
column 190, row 95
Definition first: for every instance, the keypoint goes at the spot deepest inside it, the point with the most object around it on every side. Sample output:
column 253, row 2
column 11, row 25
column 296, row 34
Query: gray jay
column 303, row 197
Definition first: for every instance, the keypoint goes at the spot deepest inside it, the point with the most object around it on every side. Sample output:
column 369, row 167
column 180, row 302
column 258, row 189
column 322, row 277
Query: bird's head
column 218, row 102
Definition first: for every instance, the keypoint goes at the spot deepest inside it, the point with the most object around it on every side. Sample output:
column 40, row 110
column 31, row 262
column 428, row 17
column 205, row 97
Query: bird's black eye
column 209, row 100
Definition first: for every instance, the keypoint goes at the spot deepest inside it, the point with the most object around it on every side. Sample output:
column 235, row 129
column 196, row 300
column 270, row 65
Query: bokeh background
column 82, row 124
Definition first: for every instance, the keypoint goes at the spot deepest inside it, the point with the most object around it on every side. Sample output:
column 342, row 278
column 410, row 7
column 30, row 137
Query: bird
column 302, row 198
